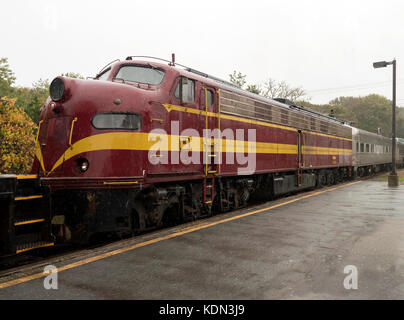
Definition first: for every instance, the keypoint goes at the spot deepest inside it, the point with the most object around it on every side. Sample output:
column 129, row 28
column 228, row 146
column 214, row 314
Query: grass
column 384, row 177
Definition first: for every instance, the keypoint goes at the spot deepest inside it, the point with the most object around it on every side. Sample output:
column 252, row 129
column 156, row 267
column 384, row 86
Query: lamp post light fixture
column 393, row 178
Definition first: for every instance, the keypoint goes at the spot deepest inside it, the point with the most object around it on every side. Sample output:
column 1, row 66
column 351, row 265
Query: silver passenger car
column 400, row 146
column 371, row 152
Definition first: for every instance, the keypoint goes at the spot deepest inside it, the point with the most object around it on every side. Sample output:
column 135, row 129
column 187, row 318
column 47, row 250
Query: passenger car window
column 367, row 147
column 362, row 147
column 126, row 121
column 142, row 74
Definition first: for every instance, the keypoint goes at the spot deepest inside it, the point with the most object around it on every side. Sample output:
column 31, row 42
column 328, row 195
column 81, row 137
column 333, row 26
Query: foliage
column 274, row 89
column 17, row 138
column 237, row 78
column 270, row 88
column 73, row 75
column 18, row 119
column 368, row 113
column 254, row 88
column 339, row 112
column 31, row 99
column 7, row 77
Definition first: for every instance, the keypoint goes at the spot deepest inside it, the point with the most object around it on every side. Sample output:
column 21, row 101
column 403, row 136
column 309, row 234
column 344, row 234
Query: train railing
column 24, row 214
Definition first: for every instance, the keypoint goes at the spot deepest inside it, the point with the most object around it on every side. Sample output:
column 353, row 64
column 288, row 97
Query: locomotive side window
column 123, row 121
column 188, row 90
column 142, row 74
column 177, row 90
column 209, row 95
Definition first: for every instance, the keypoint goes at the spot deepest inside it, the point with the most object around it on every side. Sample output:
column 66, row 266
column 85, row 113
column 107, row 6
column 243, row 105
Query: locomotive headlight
column 83, row 164
column 57, row 89
column 56, row 107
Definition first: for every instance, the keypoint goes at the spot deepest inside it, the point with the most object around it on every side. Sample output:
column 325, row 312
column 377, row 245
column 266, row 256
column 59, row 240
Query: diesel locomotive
column 149, row 142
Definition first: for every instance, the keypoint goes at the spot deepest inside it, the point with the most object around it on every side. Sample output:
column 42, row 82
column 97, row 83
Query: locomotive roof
column 222, row 84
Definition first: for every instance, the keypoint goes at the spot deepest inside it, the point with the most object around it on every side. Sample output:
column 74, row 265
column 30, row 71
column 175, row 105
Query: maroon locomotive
column 148, row 143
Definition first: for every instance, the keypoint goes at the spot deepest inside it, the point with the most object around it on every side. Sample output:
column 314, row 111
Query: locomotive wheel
column 330, row 179
column 322, row 180
column 234, row 199
column 137, row 218
column 171, row 212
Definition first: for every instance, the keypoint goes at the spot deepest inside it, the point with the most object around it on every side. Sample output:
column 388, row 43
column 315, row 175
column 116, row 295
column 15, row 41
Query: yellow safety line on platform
column 170, row 236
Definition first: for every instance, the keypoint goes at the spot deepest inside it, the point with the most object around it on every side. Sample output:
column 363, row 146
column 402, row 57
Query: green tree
column 7, row 77
column 368, row 113
column 238, row 78
column 17, row 138
column 73, row 75
column 400, row 122
column 371, row 112
column 254, row 88
column 339, row 112
column 280, row 89
column 32, row 99
column 270, row 88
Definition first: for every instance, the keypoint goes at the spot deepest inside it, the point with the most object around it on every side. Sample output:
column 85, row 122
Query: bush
column 17, row 138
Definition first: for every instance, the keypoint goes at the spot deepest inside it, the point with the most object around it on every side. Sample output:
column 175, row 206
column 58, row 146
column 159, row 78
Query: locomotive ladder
column 25, row 214
column 212, row 167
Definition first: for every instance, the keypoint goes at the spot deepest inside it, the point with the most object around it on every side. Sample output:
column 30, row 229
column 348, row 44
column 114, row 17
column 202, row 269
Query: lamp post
column 393, row 178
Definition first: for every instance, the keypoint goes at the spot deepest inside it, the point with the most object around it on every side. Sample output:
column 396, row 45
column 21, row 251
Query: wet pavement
column 295, row 251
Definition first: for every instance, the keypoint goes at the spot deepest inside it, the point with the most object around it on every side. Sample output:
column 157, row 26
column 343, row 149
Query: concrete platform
column 297, row 250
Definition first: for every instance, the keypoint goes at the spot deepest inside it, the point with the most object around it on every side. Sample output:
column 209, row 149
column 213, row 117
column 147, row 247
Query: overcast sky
column 326, row 47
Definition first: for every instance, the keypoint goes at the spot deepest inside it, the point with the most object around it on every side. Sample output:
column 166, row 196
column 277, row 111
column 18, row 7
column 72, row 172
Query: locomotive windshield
column 104, row 75
column 142, row 74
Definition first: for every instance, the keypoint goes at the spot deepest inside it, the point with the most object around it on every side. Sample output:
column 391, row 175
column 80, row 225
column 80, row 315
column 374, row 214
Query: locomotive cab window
column 122, row 121
column 185, row 90
column 142, row 74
